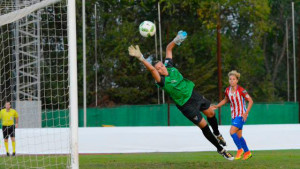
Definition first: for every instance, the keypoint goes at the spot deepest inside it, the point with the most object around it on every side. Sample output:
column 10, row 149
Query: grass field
column 285, row 159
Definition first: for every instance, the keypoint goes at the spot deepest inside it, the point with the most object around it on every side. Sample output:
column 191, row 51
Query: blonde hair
column 234, row 73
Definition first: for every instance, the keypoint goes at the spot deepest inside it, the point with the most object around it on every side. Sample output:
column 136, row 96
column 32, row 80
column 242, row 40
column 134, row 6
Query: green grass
column 34, row 161
column 285, row 159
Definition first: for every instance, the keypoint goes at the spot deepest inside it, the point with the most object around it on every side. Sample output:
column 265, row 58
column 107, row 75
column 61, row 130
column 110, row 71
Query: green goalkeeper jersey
column 177, row 87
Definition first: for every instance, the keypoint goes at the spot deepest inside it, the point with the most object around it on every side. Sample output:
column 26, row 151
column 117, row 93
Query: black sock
column 210, row 137
column 214, row 125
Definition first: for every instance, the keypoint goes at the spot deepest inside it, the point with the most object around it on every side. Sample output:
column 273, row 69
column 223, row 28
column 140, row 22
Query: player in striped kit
column 237, row 96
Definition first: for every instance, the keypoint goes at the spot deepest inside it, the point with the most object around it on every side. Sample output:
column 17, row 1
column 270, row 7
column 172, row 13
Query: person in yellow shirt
column 10, row 119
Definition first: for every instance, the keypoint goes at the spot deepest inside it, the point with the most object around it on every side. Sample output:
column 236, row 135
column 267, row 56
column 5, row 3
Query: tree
column 252, row 43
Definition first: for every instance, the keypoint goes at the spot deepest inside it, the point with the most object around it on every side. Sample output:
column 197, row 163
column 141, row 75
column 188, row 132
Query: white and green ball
column 147, row 28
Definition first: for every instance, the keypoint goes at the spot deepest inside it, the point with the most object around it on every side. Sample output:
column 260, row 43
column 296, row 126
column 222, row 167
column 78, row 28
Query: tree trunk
column 265, row 52
column 278, row 62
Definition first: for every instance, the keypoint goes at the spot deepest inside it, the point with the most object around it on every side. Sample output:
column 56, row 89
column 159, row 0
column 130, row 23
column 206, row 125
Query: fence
column 157, row 115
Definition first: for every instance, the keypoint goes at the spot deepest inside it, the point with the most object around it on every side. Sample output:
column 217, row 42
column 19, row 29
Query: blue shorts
column 238, row 122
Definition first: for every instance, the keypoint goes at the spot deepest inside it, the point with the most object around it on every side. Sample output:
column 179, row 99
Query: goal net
column 34, row 77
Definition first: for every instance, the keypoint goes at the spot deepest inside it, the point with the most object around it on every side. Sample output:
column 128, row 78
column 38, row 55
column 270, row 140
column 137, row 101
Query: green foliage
column 244, row 27
column 275, row 44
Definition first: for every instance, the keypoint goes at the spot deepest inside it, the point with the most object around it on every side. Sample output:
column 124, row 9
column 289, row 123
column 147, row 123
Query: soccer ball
column 147, row 28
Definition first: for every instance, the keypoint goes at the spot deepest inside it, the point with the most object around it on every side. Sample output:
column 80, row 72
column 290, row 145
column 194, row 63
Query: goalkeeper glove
column 181, row 36
column 135, row 52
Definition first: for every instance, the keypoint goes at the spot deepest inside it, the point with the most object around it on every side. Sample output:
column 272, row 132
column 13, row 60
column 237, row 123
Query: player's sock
column 6, row 146
column 210, row 137
column 236, row 141
column 214, row 125
column 243, row 144
column 14, row 146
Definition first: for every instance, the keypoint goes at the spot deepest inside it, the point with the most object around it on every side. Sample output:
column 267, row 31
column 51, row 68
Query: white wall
column 179, row 139
column 150, row 139
column 39, row 141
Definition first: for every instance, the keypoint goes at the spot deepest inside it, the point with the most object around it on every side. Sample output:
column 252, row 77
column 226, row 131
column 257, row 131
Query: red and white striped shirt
column 237, row 101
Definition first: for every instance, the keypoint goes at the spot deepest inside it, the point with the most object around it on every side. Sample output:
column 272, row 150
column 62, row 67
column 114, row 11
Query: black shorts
column 8, row 131
column 191, row 109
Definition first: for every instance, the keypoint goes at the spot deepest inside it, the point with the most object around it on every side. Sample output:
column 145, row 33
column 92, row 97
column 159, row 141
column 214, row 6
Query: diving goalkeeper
column 182, row 91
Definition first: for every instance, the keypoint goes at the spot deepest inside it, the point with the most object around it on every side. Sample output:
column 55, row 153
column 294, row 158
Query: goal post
column 73, row 83
column 38, row 75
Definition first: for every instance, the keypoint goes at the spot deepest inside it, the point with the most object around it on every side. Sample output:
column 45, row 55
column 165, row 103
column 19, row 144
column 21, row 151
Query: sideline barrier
column 182, row 139
column 150, row 139
column 157, row 115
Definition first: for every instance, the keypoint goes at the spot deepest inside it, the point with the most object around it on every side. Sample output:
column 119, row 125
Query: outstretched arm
column 135, row 52
column 224, row 101
column 181, row 36
column 169, row 49
column 152, row 70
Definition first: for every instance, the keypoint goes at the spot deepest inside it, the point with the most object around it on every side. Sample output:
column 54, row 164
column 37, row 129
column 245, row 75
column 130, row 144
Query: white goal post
column 73, row 83
column 38, row 75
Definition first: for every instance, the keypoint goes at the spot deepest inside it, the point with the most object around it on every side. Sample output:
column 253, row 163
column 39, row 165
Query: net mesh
column 34, row 77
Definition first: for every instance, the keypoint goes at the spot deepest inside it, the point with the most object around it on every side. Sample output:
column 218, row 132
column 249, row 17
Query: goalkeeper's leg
column 190, row 111
column 208, row 134
column 212, row 120
column 210, row 137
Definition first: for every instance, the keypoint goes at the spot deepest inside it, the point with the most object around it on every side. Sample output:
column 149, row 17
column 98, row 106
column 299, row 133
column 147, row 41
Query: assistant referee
column 10, row 119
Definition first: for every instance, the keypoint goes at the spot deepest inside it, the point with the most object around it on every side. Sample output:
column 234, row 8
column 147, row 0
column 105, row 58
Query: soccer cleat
column 7, row 154
column 14, row 154
column 226, row 155
column 221, row 140
column 247, row 155
column 239, row 154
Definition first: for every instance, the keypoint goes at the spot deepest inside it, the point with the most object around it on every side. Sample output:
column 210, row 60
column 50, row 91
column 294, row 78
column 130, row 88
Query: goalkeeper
column 181, row 90
column 8, row 126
